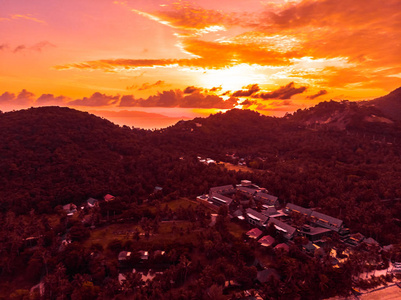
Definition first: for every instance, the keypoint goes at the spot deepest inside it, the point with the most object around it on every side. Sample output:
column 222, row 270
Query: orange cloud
column 211, row 55
column 191, row 20
column 325, row 44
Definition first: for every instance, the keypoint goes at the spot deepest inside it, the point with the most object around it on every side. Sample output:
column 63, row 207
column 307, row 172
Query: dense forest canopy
column 53, row 156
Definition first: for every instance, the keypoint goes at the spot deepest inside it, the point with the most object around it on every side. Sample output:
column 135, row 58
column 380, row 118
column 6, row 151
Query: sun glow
column 232, row 78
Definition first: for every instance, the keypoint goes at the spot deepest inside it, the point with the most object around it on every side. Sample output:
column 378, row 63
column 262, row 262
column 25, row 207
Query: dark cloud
column 215, row 89
column 281, row 103
column 177, row 98
column 320, row 93
column 128, row 101
column 19, row 48
column 207, row 101
column 163, row 99
column 25, row 97
column 247, row 103
column 42, row 45
column 283, row 93
column 36, row 47
column 50, row 99
column 171, row 98
column 7, row 97
column 247, row 91
column 97, row 99
column 4, row 46
column 192, row 89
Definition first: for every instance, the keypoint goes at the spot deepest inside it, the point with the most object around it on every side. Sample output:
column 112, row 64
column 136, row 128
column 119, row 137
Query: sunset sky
column 150, row 63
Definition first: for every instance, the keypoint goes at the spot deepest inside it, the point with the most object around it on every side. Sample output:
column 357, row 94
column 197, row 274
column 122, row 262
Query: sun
column 231, row 78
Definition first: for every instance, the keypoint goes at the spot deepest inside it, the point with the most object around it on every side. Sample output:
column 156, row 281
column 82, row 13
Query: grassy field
column 169, row 233
column 182, row 202
column 237, row 168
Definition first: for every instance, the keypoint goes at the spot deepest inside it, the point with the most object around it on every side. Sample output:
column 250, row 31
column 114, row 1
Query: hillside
column 345, row 115
column 57, row 155
column 53, row 156
column 390, row 104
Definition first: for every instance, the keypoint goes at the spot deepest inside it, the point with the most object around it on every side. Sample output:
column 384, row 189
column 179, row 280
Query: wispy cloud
column 39, row 47
column 28, row 17
column 148, row 86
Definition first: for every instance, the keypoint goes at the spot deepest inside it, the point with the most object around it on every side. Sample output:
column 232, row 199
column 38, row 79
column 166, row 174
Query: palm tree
column 185, row 263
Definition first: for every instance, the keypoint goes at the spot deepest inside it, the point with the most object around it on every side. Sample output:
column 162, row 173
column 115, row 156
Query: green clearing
column 169, row 233
column 236, row 229
column 182, row 202
column 237, row 168
column 174, row 205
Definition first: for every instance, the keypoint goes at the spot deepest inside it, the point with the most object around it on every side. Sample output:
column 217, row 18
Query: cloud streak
column 283, row 93
column 28, row 17
column 318, row 94
column 248, row 91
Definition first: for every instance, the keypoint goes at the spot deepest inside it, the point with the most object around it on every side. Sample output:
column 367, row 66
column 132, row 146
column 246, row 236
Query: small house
column 219, row 199
column 266, row 199
column 254, row 233
column 326, row 221
column 109, row 198
column 267, row 241
column 92, row 202
column 124, row 256
column 144, row 255
column 70, row 209
column 255, row 218
column 223, row 190
column 289, row 208
column 287, row 230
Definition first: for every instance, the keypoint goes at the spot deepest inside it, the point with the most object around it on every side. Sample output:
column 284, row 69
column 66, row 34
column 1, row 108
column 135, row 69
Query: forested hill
column 390, row 104
column 52, row 156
